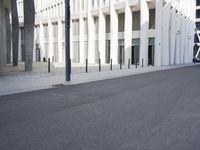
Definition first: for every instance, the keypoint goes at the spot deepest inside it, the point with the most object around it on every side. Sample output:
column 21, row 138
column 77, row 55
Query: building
column 152, row 32
column 197, row 34
column 4, row 25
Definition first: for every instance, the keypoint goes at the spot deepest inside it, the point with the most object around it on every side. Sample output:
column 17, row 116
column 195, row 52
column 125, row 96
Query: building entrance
column 135, row 54
column 151, row 51
column 121, row 52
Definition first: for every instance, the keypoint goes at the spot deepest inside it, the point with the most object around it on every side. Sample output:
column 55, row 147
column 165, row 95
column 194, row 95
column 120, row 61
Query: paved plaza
column 16, row 80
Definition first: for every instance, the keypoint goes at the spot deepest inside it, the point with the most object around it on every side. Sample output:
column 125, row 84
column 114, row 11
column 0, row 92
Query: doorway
column 121, row 51
column 151, row 51
column 121, row 54
column 151, row 55
column 135, row 54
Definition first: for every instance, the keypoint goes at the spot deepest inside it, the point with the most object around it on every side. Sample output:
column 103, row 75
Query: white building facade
column 155, row 32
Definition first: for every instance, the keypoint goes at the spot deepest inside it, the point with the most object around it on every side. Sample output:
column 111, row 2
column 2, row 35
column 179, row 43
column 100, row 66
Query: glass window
column 121, row 22
column 198, row 2
column 55, row 29
column 152, row 19
column 136, row 20
column 198, row 13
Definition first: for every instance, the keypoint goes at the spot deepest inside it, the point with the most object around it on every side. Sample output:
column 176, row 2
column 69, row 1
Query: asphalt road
column 153, row 111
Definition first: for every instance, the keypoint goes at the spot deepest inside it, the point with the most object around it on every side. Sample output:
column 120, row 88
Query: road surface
column 152, row 111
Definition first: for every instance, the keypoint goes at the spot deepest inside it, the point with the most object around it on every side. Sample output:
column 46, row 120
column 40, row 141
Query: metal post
column 111, row 64
column 67, row 40
column 49, row 65
column 120, row 64
column 142, row 62
column 86, row 65
column 99, row 65
column 129, row 63
column 136, row 63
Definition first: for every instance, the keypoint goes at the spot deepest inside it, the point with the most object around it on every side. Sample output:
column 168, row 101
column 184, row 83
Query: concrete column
column 71, row 42
column 15, row 31
column 187, row 43
column 34, row 46
column 81, row 39
column 165, row 34
column 128, row 32
column 50, row 26
column 192, row 31
column 158, row 37
column 144, row 26
column 91, row 37
column 20, row 46
column 182, row 40
column 102, row 35
column 42, row 51
column 8, row 37
column 60, row 34
column 178, row 39
column 172, row 36
column 29, row 21
column 114, row 34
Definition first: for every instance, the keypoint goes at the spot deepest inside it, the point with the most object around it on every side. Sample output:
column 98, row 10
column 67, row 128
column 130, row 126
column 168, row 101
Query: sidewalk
column 16, row 80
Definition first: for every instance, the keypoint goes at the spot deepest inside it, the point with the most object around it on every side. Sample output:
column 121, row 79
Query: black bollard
column 49, row 65
column 120, row 64
column 129, row 63
column 99, row 65
column 136, row 63
column 86, row 65
column 142, row 62
column 110, row 64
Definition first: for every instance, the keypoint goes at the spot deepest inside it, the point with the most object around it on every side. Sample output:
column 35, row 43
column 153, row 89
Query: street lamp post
column 67, row 41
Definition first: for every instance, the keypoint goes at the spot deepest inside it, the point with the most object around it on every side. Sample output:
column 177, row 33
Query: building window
column 108, row 24
column 198, row 2
column 198, row 25
column 152, row 19
column 55, row 29
column 198, row 13
column 75, row 27
column 46, row 31
column 121, row 22
column 85, row 26
column 136, row 20
column 96, row 23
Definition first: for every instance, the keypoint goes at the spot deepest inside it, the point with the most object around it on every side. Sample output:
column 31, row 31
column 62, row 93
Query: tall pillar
column 91, row 37
column 144, row 29
column 15, row 31
column 81, row 39
column 42, row 50
column 182, row 39
column 60, row 34
column 165, row 34
column 178, row 39
column 172, row 36
column 20, row 46
column 51, row 54
column 29, row 20
column 158, row 37
column 114, row 34
column 102, row 36
column 128, row 32
column 8, row 37
column 34, row 46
